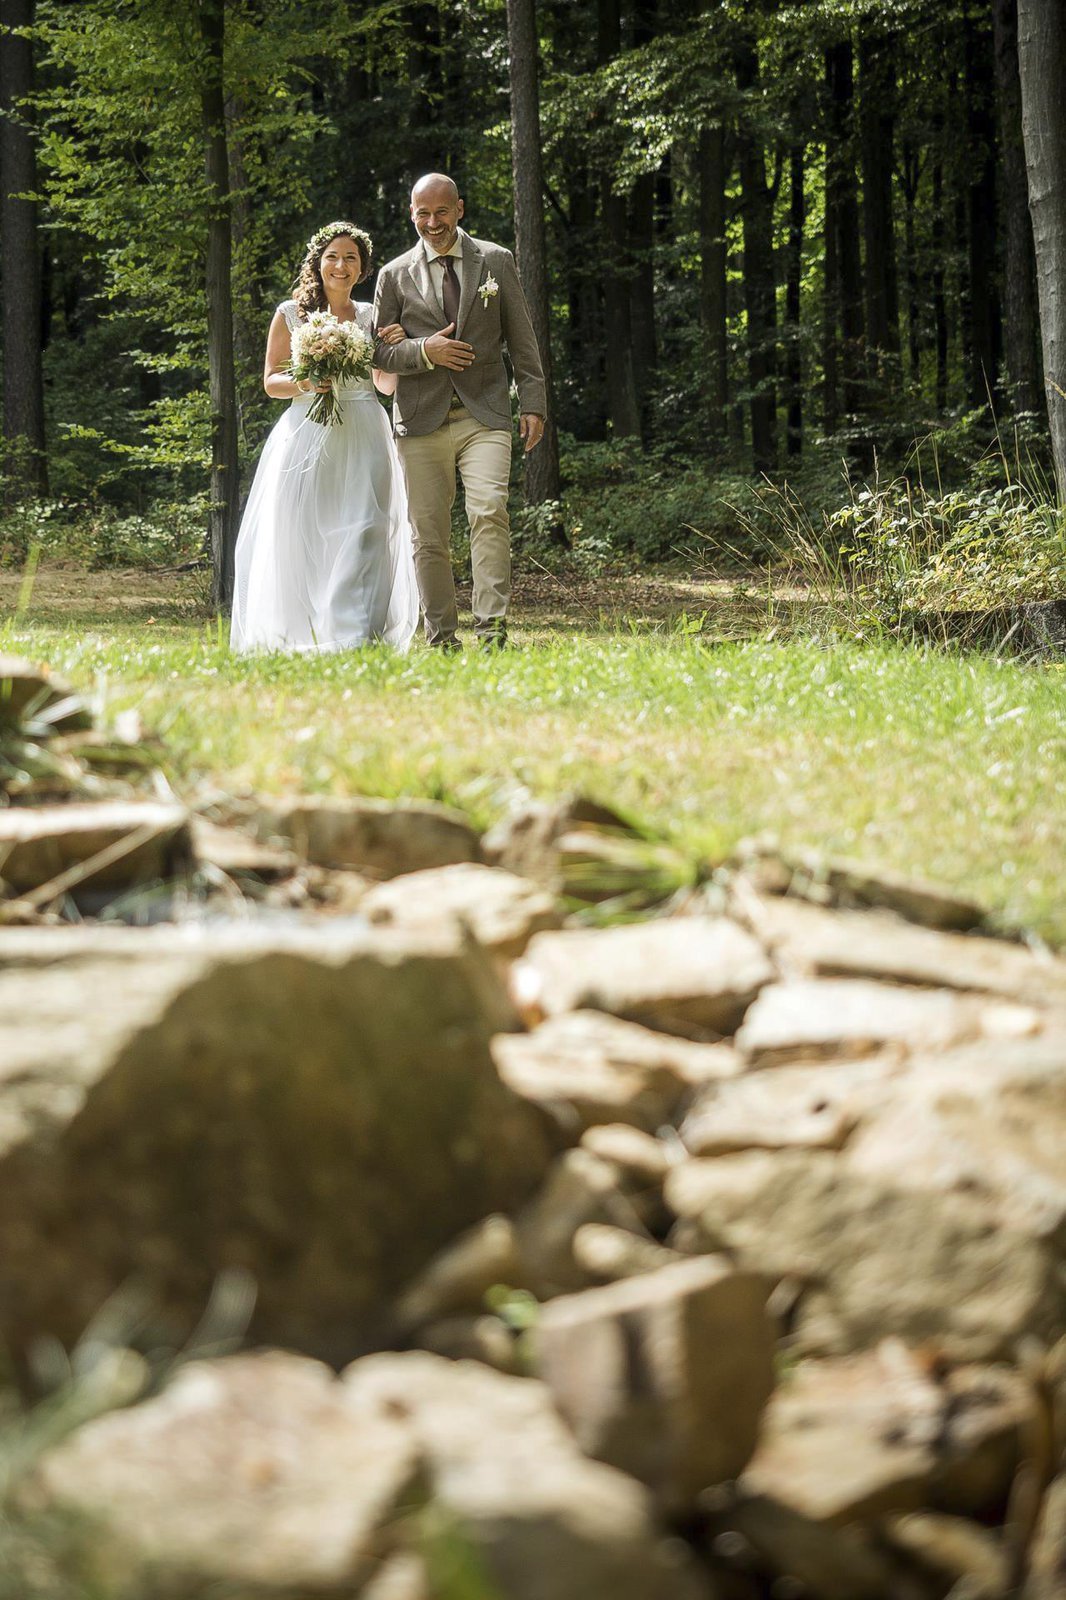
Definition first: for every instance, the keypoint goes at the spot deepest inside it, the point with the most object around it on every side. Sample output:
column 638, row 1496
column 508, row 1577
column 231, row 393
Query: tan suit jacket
column 489, row 322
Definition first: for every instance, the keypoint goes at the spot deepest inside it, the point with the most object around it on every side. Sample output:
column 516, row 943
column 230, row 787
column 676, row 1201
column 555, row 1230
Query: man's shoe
column 449, row 645
column 494, row 640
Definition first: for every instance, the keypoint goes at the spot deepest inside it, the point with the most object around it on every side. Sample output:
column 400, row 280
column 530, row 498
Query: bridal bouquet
column 327, row 351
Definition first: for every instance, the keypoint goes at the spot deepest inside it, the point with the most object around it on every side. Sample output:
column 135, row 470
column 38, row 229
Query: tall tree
column 797, row 216
column 622, row 406
column 1042, row 63
column 711, row 159
column 983, row 320
column 842, row 202
column 23, row 417
column 225, row 472
column 541, row 464
column 877, row 84
column 1021, row 323
column 760, row 289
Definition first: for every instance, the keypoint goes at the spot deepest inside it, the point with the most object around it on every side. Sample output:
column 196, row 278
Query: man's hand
column 447, row 352
column 530, row 429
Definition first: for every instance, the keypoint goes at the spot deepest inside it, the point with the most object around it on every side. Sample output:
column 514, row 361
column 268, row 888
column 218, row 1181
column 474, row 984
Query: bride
column 324, row 558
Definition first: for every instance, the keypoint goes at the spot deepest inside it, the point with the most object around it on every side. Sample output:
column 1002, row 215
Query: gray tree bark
column 542, row 464
column 1042, row 62
column 713, row 309
column 23, row 410
column 225, row 478
column 1021, row 322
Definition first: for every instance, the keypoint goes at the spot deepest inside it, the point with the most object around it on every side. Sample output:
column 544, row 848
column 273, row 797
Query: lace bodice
column 364, row 316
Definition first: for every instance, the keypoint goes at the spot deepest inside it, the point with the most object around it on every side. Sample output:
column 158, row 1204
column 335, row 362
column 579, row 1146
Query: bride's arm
column 385, row 382
column 276, row 381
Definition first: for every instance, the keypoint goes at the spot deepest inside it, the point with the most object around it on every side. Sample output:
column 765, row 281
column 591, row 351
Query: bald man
column 461, row 305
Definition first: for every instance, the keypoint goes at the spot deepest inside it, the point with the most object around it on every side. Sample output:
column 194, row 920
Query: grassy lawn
column 952, row 767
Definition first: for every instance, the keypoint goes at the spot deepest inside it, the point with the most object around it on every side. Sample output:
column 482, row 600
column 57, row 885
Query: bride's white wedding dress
column 324, row 556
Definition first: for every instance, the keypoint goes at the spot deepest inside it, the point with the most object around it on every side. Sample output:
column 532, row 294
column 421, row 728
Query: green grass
column 948, row 766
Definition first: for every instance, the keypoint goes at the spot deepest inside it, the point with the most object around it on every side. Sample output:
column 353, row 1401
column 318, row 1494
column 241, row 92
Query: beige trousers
column 483, row 459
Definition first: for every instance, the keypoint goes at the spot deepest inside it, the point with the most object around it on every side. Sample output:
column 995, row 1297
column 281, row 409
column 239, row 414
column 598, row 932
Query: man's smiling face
column 435, row 211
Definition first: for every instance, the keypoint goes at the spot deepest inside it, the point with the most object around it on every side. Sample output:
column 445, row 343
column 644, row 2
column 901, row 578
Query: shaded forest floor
column 544, row 604
column 701, row 709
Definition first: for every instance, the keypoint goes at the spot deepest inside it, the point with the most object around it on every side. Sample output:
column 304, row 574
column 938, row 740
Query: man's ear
column 460, row 208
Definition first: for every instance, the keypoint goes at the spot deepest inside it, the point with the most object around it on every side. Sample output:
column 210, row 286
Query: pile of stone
column 719, row 1255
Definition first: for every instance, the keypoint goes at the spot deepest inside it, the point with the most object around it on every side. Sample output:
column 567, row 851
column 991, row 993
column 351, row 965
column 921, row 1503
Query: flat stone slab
column 822, row 1018
column 250, row 1471
column 665, row 1374
column 233, row 851
column 28, row 689
column 502, row 911
column 588, row 1068
column 382, row 838
column 693, row 976
column 810, row 941
column 909, row 1438
column 108, row 844
column 789, row 1108
column 835, row 880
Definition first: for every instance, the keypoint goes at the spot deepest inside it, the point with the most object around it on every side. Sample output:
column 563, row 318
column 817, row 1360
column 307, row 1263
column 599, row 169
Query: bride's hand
column 392, row 333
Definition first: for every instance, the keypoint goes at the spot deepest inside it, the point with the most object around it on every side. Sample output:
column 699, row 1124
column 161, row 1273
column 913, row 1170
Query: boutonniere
column 488, row 290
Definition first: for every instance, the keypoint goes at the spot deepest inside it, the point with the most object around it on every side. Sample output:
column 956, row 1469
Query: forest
column 766, row 245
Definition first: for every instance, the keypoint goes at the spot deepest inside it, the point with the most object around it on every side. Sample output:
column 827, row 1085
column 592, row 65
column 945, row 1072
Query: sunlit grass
column 953, row 767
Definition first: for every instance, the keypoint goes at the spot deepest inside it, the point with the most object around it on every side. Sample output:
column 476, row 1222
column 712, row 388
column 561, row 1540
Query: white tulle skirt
column 324, row 554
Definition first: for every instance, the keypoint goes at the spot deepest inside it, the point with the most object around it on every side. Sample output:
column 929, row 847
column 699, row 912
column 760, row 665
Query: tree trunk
column 940, row 310
column 912, row 172
column 760, row 298
column 541, row 464
column 642, row 291
column 797, row 218
column 830, row 302
column 586, row 342
column 622, row 409
column 713, row 309
column 984, row 313
column 25, row 460
column 878, row 85
column 845, row 205
column 1042, row 60
column 1021, row 331
column 225, row 483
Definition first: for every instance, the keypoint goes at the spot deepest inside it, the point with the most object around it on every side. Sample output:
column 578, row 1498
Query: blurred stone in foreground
column 321, row 1111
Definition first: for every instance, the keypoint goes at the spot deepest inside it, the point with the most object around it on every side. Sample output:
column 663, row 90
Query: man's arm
column 521, row 341
column 411, row 356
column 406, row 357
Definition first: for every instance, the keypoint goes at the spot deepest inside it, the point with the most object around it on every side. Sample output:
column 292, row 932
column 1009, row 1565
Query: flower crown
column 332, row 230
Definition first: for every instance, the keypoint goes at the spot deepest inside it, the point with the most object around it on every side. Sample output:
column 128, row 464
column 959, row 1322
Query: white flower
column 488, row 290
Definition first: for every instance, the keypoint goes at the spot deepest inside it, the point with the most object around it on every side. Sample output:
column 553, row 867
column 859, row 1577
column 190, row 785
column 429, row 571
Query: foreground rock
column 28, row 690
column 878, row 1257
column 382, row 838
column 910, row 1437
column 250, row 1473
column 530, row 1516
column 103, row 845
column 319, row 1110
column 694, row 976
column 664, row 1375
column 808, row 940
column 501, row 911
column 819, row 1019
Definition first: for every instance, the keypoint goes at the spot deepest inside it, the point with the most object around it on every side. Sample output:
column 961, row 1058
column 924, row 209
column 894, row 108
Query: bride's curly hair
column 308, row 290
